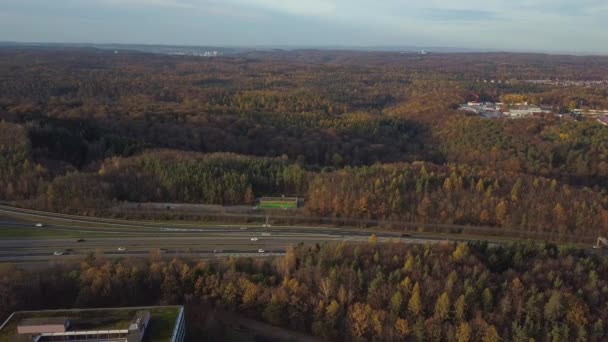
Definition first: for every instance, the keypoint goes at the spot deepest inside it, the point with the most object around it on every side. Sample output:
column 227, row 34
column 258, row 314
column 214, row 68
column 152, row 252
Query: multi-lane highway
column 71, row 238
column 32, row 238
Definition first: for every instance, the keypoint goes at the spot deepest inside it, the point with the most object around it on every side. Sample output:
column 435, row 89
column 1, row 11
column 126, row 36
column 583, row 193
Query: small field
column 278, row 204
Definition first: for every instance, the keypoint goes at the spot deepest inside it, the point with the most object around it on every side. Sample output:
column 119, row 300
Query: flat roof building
column 159, row 323
column 43, row 325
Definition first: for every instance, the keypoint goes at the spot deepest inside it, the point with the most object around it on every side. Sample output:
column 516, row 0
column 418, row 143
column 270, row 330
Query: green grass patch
column 278, row 205
column 161, row 325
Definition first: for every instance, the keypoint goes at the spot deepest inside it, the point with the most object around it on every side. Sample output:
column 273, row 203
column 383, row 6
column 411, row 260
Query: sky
column 575, row 26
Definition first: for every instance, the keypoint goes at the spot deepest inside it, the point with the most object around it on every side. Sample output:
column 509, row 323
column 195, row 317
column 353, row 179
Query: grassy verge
column 277, row 205
column 104, row 223
column 15, row 233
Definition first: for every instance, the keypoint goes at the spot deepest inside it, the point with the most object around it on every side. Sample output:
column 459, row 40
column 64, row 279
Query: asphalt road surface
column 118, row 238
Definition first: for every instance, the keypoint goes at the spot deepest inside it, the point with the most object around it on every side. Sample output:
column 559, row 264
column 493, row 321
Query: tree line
column 353, row 292
column 344, row 130
column 419, row 192
column 460, row 195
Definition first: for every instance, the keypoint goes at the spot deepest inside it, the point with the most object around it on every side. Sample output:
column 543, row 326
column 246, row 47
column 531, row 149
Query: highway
column 213, row 246
column 74, row 237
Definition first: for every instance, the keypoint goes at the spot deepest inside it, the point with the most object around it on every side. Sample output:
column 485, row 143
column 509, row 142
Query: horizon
column 284, row 47
column 333, row 170
column 539, row 26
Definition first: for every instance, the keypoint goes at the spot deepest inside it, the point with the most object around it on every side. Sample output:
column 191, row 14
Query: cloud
column 458, row 14
column 502, row 24
column 379, row 10
column 151, row 3
column 293, row 7
column 224, row 8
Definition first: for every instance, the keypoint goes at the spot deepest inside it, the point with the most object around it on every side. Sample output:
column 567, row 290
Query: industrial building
column 96, row 325
column 491, row 110
column 591, row 112
column 525, row 110
column 487, row 110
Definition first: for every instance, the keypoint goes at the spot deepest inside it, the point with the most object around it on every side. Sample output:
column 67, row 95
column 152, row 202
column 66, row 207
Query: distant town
column 571, row 83
column 554, row 83
column 496, row 110
column 196, row 54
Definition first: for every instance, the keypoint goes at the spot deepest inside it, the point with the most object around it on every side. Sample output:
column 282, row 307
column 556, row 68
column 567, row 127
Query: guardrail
column 391, row 224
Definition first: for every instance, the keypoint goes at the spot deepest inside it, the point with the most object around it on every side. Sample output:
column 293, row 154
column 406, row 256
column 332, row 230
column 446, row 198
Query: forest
column 351, row 292
column 357, row 135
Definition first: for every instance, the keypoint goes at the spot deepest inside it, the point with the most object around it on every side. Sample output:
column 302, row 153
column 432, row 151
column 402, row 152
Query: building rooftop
column 162, row 321
column 43, row 321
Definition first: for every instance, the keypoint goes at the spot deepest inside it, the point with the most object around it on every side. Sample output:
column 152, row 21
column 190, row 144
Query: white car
column 121, row 249
column 265, row 225
column 39, row 225
column 57, row 253
column 254, row 239
column 218, row 251
column 243, row 228
column 265, row 234
column 261, row 251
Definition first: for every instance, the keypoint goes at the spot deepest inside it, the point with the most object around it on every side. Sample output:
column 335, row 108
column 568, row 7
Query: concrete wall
column 39, row 329
column 179, row 331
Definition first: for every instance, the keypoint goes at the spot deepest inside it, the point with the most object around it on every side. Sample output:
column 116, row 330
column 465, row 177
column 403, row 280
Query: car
column 121, row 249
column 254, row 239
column 244, row 228
column 266, row 225
column 405, row 235
column 265, row 234
column 39, row 225
column 217, row 251
column 57, row 253
column 261, row 251
column 80, row 240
